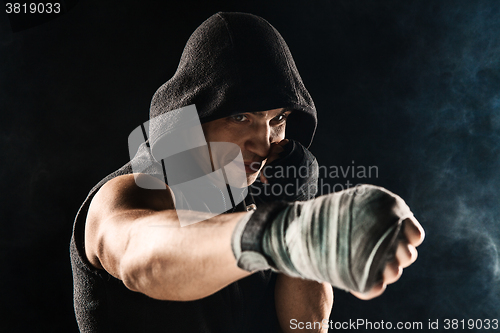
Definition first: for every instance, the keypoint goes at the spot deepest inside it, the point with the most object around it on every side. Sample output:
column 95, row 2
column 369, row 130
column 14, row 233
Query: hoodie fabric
column 233, row 63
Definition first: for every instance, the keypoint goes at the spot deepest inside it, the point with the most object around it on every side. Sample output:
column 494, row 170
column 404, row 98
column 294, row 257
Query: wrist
column 248, row 235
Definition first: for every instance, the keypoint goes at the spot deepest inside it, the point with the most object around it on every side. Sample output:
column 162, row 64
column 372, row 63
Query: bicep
column 114, row 211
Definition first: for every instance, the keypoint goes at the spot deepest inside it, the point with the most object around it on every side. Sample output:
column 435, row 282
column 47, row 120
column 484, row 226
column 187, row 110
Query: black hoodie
column 232, row 63
column 235, row 63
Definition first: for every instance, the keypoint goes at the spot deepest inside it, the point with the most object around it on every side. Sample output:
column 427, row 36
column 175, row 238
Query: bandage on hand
column 345, row 238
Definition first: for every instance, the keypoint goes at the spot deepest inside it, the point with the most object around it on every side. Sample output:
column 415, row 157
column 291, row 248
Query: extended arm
column 135, row 235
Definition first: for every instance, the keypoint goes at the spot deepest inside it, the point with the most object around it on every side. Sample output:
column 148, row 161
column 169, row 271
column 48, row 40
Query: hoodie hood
column 235, row 63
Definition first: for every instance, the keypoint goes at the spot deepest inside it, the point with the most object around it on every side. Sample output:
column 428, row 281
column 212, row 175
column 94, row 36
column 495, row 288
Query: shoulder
column 123, row 193
column 118, row 196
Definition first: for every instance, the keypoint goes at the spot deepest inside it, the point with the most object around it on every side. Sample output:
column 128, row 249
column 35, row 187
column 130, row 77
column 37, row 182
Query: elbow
column 144, row 273
column 134, row 275
column 161, row 279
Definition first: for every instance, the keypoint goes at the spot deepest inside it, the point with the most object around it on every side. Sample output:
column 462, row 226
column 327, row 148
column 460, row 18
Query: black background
column 412, row 87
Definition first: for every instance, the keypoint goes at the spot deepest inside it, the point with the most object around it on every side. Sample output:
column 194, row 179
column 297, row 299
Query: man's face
column 253, row 132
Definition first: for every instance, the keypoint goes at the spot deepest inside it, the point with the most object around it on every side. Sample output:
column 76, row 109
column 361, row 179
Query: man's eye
column 281, row 118
column 239, row 118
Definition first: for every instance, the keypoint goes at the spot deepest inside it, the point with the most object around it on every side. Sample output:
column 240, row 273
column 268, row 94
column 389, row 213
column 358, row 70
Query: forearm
column 166, row 261
column 299, row 300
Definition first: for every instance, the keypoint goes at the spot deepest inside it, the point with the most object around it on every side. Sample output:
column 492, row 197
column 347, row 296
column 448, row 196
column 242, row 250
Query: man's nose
column 259, row 140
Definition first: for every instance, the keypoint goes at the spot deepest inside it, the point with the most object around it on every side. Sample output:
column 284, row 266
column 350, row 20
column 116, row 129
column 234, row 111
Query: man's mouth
column 252, row 166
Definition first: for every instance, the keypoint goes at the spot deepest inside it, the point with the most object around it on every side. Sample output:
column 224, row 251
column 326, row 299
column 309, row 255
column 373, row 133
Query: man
column 136, row 269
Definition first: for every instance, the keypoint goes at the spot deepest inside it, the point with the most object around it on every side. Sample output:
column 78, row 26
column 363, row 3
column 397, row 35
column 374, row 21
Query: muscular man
column 136, row 269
